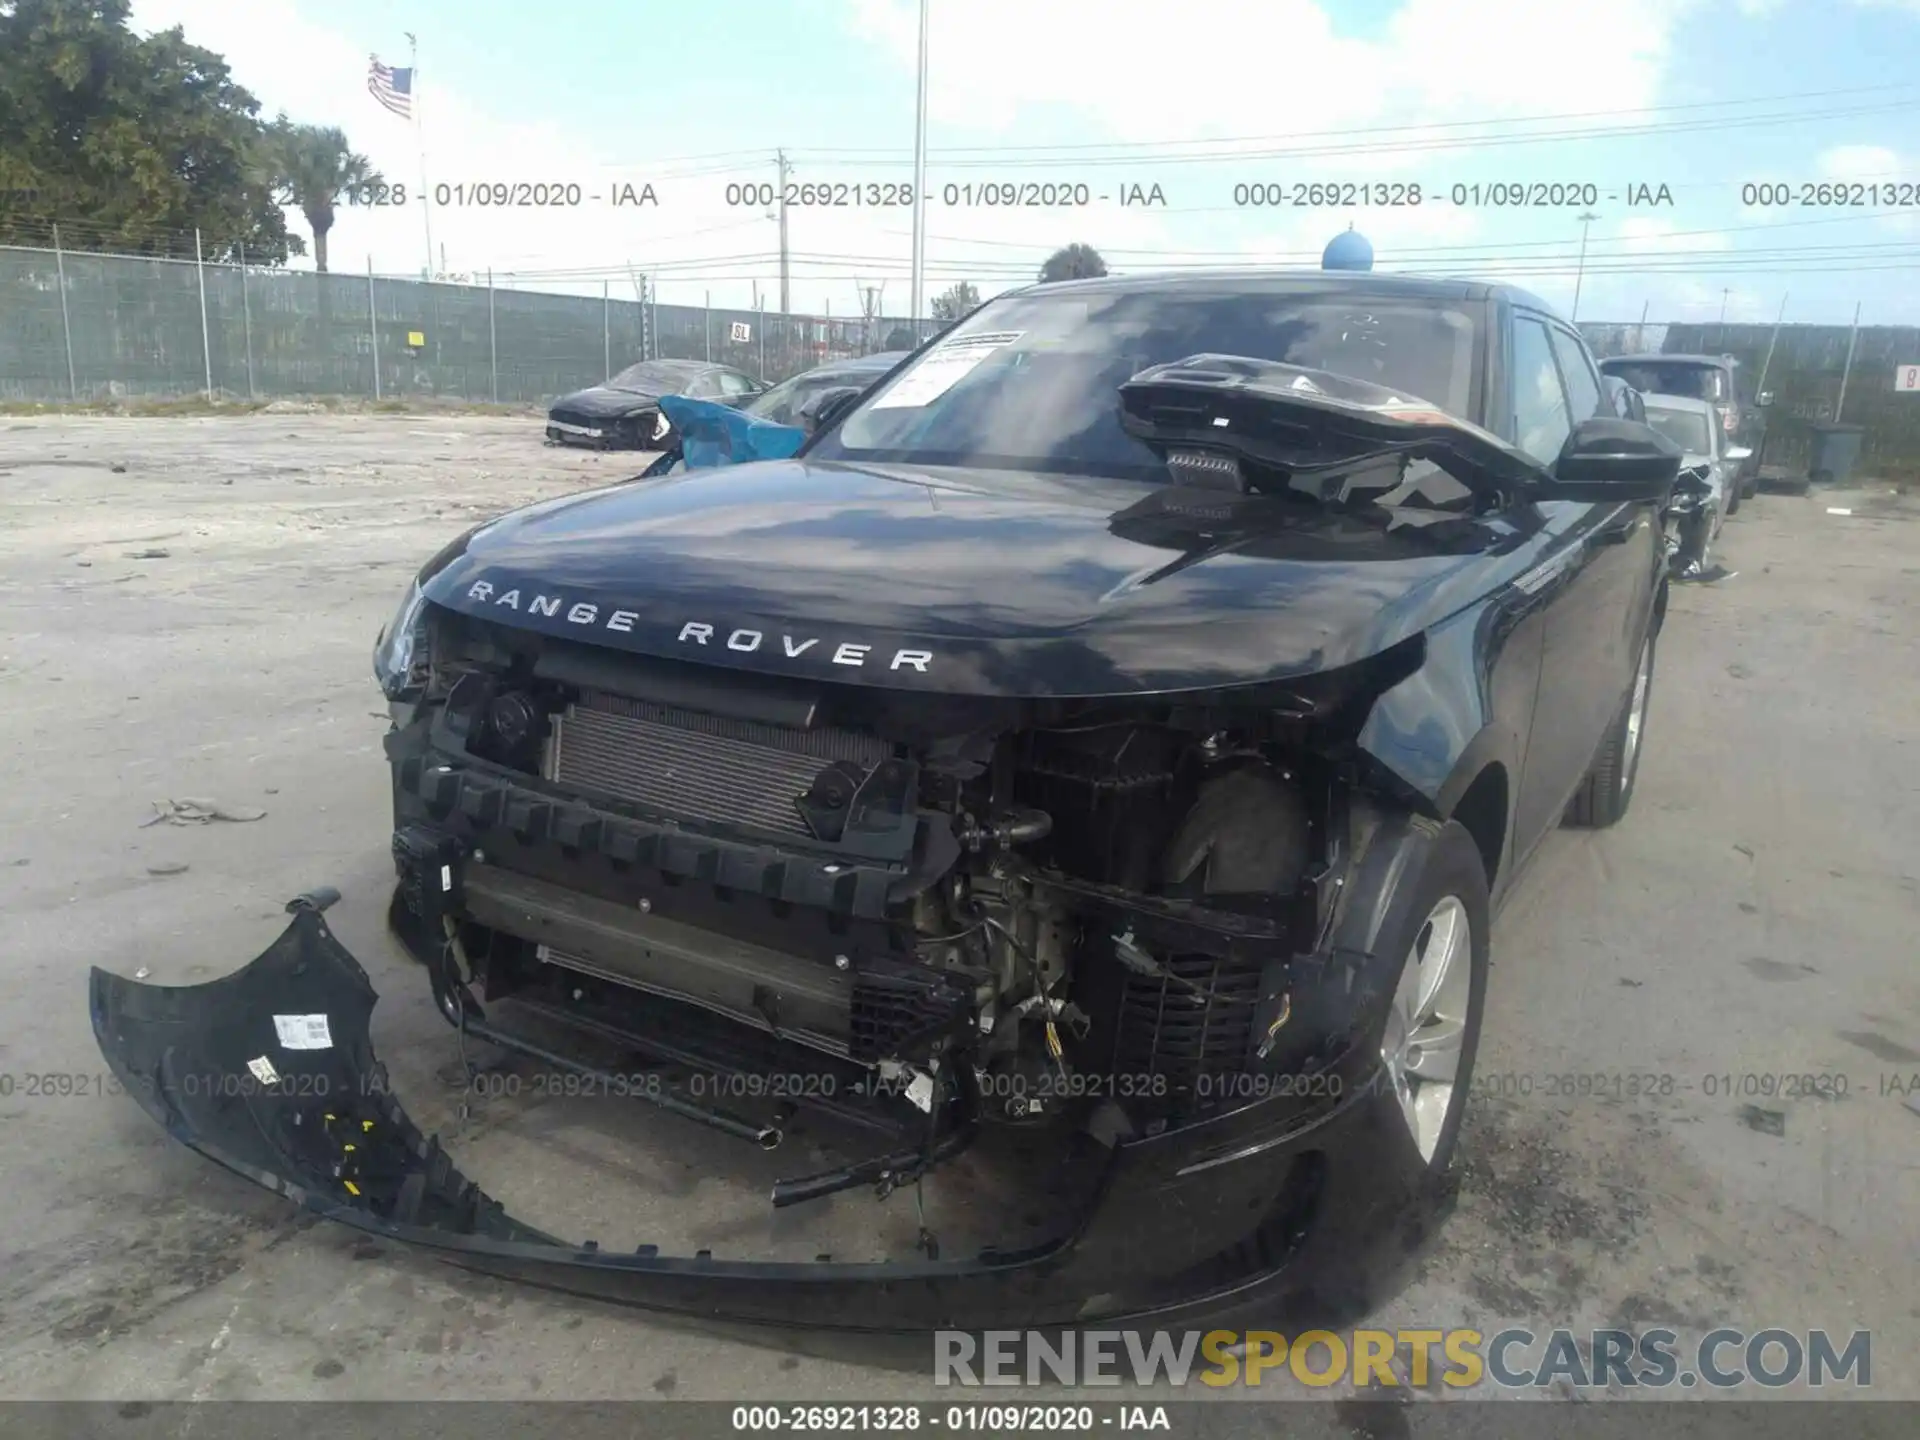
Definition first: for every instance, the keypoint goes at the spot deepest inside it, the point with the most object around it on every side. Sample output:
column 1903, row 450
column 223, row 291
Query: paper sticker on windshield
column 944, row 367
column 303, row 1032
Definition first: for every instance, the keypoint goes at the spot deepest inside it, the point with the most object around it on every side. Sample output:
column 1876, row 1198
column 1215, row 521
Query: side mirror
column 1608, row 461
column 828, row 406
column 1739, row 452
column 1763, row 399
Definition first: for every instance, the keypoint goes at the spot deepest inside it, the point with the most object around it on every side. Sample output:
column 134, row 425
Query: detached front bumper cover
column 270, row 1072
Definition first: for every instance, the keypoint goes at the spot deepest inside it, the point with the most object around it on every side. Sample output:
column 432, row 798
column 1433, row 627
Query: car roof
column 1722, row 362
column 1418, row 287
column 1656, row 400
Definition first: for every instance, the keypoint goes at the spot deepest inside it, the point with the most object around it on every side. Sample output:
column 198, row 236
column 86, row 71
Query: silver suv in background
column 1717, row 380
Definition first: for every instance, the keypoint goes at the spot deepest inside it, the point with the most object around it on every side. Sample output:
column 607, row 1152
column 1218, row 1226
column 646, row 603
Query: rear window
column 1696, row 382
column 1686, row 428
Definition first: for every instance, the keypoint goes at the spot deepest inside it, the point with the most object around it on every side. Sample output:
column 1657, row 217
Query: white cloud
column 1213, row 69
column 1207, row 78
column 1860, row 162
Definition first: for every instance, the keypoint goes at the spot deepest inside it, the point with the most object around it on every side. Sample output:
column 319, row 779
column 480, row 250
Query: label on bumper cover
column 303, row 1032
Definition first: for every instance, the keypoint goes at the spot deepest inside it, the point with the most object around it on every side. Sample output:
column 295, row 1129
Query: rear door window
column 1696, row 382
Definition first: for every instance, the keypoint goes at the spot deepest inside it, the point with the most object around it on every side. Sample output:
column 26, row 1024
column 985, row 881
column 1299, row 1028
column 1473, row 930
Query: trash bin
column 1835, row 449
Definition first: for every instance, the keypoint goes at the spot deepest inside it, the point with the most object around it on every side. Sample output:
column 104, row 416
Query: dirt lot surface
column 189, row 606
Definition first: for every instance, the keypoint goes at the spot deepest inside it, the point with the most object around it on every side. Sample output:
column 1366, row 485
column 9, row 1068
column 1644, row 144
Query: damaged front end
column 1057, row 921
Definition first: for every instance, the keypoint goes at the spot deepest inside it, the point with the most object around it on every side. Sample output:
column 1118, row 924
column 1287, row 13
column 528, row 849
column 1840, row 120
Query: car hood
column 972, row 581
column 604, row 402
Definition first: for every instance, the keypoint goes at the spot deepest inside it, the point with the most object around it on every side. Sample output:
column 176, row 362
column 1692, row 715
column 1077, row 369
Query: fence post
column 66, row 325
column 606, row 334
column 706, row 320
column 373, row 328
column 763, row 340
column 493, row 343
column 1840, row 404
column 246, row 320
column 206, row 343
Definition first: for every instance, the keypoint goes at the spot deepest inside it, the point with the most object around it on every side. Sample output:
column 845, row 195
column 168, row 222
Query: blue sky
column 692, row 98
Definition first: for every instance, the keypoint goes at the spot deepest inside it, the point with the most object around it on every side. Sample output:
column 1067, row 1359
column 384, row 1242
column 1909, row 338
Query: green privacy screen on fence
column 136, row 328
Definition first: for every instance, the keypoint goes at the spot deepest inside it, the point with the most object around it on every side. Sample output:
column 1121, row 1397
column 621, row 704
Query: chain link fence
column 89, row 327
column 1808, row 372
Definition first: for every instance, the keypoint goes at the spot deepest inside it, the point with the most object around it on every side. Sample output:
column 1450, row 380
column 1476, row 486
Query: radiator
column 700, row 766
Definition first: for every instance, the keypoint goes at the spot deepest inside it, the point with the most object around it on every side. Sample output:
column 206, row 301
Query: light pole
column 1580, row 274
column 920, row 177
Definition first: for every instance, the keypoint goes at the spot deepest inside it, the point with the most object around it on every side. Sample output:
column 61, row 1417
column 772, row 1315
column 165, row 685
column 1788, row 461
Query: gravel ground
column 188, row 610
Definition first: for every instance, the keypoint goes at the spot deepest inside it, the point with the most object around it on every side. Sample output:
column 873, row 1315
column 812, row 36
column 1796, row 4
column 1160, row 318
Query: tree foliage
column 132, row 141
column 955, row 301
column 1073, row 262
column 312, row 165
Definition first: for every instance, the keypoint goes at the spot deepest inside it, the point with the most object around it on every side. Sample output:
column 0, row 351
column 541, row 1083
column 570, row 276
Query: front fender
column 1463, row 709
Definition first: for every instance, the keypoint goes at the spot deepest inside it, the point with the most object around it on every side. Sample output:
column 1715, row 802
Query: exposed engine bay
column 924, row 918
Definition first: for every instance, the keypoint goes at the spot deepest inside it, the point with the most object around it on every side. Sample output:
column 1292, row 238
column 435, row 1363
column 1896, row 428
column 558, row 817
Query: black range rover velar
column 1115, row 730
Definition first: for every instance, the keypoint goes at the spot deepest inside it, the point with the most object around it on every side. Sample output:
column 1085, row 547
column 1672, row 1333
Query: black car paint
column 1525, row 625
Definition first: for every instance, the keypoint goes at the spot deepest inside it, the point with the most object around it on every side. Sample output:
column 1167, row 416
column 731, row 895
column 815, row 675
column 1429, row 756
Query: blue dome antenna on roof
column 1347, row 251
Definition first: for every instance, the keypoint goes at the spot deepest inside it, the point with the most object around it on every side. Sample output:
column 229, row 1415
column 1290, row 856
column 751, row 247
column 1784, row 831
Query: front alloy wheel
column 1422, row 1045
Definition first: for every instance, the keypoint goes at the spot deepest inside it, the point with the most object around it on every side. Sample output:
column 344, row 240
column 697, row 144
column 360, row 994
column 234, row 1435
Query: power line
column 1371, row 129
column 1411, row 145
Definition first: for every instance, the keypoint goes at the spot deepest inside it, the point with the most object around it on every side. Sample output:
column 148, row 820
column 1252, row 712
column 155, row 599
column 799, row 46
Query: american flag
column 392, row 88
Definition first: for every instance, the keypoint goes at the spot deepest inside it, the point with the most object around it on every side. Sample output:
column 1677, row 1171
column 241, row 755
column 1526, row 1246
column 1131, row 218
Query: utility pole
column 1580, row 274
column 1847, row 372
column 780, row 197
column 920, row 175
column 1723, row 305
column 1640, row 334
column 1772, row 340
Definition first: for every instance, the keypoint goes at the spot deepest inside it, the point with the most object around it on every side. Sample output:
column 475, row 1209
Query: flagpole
column 419, row 139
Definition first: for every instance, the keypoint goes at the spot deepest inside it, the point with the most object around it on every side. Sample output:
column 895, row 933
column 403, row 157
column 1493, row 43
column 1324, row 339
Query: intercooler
column 699, row 766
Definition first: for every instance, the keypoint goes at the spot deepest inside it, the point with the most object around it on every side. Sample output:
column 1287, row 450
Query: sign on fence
column 739, row 332
column 1906, row 377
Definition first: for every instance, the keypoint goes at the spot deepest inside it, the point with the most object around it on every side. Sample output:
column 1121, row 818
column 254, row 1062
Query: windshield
column 783, row 403
column 1686, row 428
column 1696, row 382
column 1031, row 382
column 650, row 377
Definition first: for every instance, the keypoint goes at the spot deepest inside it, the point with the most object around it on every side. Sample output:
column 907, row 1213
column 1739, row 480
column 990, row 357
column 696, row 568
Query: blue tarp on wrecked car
column 712, row 434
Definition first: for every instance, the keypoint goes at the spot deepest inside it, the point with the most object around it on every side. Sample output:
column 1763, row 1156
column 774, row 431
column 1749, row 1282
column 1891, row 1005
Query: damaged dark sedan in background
column 623, row 413
column 1116, row 730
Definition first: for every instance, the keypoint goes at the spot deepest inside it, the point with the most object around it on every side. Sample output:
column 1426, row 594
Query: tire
column 1424, row 884
column 1607, row 790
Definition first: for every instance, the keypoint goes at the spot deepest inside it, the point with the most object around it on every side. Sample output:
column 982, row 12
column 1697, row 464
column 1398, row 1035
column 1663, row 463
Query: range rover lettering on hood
column 855, row 654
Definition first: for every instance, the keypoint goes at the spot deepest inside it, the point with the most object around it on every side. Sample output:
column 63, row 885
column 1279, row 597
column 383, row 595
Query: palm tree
column 312, row 166
column 1073, row 262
